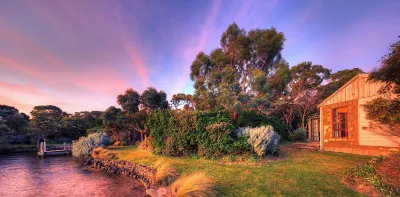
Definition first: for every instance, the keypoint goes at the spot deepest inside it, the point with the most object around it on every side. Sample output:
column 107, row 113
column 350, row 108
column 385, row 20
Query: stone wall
column 144, row 174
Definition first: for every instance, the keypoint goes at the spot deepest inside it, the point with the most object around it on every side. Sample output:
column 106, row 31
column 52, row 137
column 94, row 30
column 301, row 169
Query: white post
column 65, row 146
column 44, row 145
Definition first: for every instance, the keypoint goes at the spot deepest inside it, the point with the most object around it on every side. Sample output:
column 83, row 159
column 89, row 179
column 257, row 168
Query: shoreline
column 142, row 173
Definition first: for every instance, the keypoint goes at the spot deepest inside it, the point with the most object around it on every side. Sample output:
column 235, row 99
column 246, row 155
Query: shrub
column 381, row 172
column 102, row 153
column 85, row 145
column 249, row 118
column 299, row 135
column 241, row 145
column 194, row 185
column 389, row 171
column 264, row 140
column 184, row 133
column 20, row 139
column 166, row 174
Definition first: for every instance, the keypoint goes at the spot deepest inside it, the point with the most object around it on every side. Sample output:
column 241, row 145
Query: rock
column 160, row 192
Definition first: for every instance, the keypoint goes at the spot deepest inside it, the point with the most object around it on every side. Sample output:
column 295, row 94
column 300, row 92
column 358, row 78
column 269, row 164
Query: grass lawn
column 294, row 173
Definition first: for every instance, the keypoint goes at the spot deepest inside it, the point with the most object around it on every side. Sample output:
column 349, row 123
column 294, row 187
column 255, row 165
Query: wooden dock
column 43, row 152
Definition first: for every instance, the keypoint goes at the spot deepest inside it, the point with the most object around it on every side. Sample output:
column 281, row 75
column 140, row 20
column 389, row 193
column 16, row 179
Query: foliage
column 382, row 173
column 189, row 132
column 244, row 63
column 264, row 140
column 102, row 153
column 166, row 173
column 299, row 135
column 153, row 99
column 194, row 185
column 218, row 140
column 129, row 101
column 241, row 145
column 47, row 120
column 12, row 121
column 251, row 118
column 384, row 115
column 182, row 99
column 389, row 71
column 336, row 81
column 85, row 145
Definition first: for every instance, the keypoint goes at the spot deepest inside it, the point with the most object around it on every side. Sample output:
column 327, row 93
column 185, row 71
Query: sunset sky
column 80, row 54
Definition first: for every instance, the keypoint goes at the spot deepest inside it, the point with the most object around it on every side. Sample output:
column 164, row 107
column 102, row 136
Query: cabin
column 342, row 125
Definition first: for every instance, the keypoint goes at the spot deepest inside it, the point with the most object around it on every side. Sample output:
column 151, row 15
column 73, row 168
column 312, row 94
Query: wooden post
column 41, row 148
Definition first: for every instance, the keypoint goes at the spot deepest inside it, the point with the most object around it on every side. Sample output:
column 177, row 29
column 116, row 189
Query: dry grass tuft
column 166, row 173
column 194, row 185
column 102, row 153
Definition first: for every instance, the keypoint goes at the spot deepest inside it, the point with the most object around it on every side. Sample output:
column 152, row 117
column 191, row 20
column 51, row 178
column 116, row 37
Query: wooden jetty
column 43, row 152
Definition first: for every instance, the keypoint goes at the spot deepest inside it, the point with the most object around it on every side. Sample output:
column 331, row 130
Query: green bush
column 298, row 135
column 184, row 133
column 85, row 145
column 264, row 140
column 249, row 118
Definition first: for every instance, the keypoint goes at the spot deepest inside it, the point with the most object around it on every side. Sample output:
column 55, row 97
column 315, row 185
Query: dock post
column 41, row 148
column 44, row 145
column 65, row 146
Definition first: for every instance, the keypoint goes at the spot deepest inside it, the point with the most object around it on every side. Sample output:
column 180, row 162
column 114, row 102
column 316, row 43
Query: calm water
column 27, row 175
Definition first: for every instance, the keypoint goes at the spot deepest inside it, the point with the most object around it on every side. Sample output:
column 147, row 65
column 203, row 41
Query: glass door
column 315, row 130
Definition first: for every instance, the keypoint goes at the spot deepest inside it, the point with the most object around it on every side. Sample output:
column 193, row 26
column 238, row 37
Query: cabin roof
column 341, row 88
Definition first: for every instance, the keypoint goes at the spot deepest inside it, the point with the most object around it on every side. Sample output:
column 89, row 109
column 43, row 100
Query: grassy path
column 295, row 173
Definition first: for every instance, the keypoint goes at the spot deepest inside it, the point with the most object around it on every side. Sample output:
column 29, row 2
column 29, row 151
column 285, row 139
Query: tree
column 244, row 59
column 182, row 99
column 18, row 122
column 384, row 113
column 389, row 71
column 46, row 121
column 131, row 119
column 111, row 120
column 74, row 126
column 336, row 81
column 301, row 97
column 129, row 101
column 6, row 110
column 15, row 121
column 153, row 99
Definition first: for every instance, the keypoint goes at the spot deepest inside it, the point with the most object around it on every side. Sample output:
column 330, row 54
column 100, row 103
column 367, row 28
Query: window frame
column 336, row 112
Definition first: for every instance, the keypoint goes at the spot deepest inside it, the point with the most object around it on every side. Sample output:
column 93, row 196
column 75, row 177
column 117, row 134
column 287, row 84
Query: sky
column 80, row 54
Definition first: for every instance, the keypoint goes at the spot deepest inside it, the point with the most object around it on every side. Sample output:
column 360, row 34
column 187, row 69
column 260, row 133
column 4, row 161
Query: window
column 340, row 122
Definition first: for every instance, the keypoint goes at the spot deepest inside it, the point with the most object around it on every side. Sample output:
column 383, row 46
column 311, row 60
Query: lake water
column 27, row 175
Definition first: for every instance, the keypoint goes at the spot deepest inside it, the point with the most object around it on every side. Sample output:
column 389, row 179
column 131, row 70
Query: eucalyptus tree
column 243, row 62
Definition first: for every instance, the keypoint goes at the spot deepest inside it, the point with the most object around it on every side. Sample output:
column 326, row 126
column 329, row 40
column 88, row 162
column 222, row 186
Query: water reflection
column 26, row 175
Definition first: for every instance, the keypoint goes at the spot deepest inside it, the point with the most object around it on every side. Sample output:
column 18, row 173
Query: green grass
column 293, row 173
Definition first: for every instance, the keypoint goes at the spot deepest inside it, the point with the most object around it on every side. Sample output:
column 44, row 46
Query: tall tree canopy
column 153, row 99
column 129, row 101
column 242, row 65
column 182, row 99
column 336, row 81
column 301, row 97
column 389, row 71
column 13, row 120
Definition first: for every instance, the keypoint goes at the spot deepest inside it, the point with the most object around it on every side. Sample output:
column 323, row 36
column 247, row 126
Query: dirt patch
column 363, row 187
